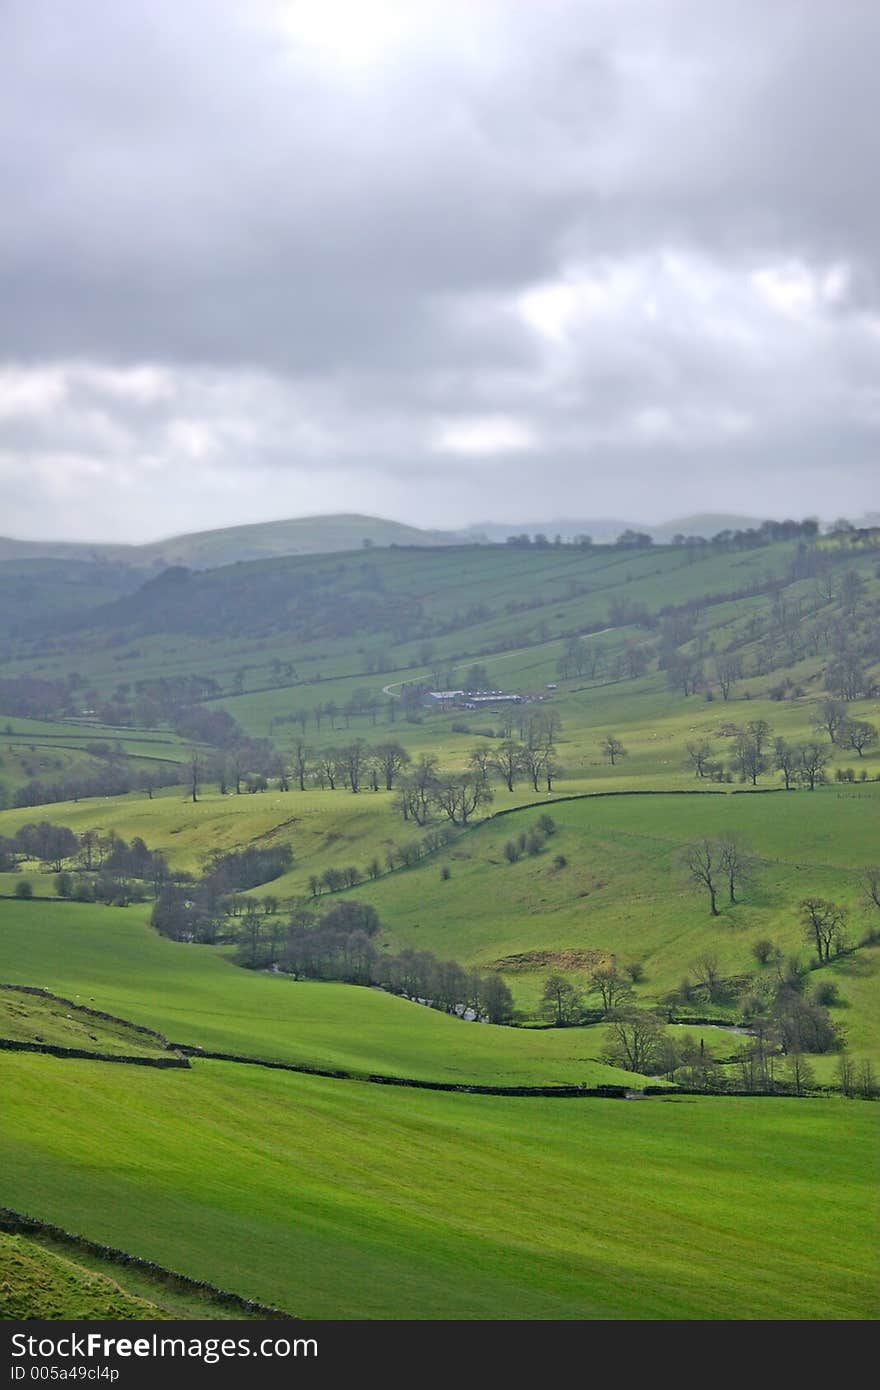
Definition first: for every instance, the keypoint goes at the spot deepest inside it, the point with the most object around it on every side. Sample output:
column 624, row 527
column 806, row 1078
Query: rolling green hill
column 331, row 1199
column 342, row 1198
column 110, row 960
column 306, row 535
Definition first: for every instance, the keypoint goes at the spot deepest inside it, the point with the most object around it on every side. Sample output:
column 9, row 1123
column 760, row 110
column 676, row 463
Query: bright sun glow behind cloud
column 352, row 33
column 482, row 435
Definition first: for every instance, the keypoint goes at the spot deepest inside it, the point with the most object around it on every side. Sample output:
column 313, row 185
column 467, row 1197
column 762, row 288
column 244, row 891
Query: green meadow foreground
column 109, row 959
column 338, row 1199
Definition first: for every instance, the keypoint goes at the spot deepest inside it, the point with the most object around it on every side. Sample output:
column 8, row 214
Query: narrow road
column 509, row 656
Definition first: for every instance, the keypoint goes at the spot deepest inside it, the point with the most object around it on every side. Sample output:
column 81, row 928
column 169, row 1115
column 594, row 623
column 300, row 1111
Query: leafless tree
column 613, row 987
column 613, row 748
column 800, row 1072
column 391, row 759
column 481, row 762
column 460, row 794
column 560, row 1001
column 812, row 760
column 728, row 669
column 194, row 764
column 353, row 760
column 300, row 762
column 823, row 925
column 751, row 744
column 702, row 863
column 416, row 788
column 508, row 761
column 785, row 760
column 829, row 716
column 634, row 1041
column 699, row 756
column 857, row 734
column 871, row 886
column 737, row 863
column 328, row 767
column 707, row 971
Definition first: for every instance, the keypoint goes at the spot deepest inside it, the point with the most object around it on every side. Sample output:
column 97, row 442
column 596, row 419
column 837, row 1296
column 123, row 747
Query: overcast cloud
column 453, row 261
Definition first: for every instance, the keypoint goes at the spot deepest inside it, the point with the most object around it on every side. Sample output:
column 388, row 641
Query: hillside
column 308, row 535
column 233, row 812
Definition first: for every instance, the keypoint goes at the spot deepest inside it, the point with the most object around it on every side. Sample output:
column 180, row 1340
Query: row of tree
column 339, row 944
column 115, row 778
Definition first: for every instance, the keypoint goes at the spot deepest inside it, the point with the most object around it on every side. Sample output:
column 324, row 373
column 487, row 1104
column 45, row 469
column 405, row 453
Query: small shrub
column 63, row 884
column 635, row 970
column 445, row 873
column 24, row 888
column 827, row 994
column 751, row 1005
column 560, row 862
column 511, row 851
column 764, row 950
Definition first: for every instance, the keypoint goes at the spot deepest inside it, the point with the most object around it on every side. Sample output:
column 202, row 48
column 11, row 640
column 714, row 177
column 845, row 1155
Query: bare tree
column 508, row 761
column 870, row 883
column 737, row 863
column 785, row 760
column 684, row 672
column 634, row 1041
column 540, row 747
column 845, row 676
column 300, row 760
column 391, row 758
column 702, row 862
column 699, row 756
column 800, row 1072
column 707, row 971
column 751, row 744
column 845, row 1074
column 416, row 790
column 613, row 748
column 613, row 987
column 560, row 1001
column 728, row 669
column 481, row 763
column 823, row 925
column 812, row 759
column 829, row 716
column 352, row 761
column 194, row 763
column 460, row 794
column 857, row 734
column 328, row 767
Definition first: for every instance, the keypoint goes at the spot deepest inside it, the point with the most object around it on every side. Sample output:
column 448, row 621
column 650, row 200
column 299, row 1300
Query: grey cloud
column 328, row 260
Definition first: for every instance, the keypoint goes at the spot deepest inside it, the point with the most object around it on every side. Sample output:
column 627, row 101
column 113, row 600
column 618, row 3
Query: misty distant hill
column 604, row 529
column 706, row 524
column 321, row 535
column 308, row 535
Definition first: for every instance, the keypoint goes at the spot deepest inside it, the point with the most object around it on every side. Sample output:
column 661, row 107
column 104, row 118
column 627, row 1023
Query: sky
column 445, row 262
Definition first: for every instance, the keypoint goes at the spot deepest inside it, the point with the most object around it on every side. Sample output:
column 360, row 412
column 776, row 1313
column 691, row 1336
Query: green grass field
column 623, row 889
column 337, row 1200
column 109, row 959
column 60, row 1023
column 340, row 1199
